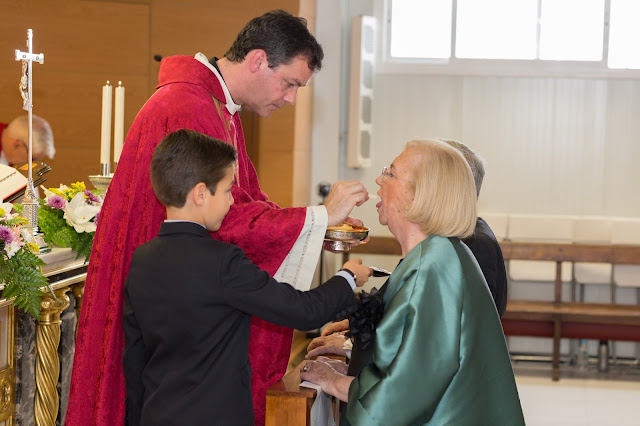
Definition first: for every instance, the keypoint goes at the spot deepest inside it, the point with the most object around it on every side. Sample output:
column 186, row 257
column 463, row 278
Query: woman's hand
column 330, row 380
column 326, row 345
column 340, row 366
column 336, row 327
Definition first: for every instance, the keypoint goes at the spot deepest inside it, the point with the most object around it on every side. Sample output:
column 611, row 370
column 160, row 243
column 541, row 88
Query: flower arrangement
column 68, row 217
column 19, row 264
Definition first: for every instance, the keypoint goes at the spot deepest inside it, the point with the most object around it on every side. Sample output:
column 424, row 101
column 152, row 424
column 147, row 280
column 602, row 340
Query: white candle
column 118, row 123
column 105, row 141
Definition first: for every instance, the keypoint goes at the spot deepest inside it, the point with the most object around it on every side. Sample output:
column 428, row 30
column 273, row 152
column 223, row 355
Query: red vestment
column 189, row 96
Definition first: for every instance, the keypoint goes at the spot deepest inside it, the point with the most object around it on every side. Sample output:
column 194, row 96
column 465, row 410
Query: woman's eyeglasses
column 388, row 174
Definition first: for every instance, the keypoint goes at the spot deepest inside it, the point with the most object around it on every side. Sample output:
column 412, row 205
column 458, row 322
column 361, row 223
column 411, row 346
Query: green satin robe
column 439, row 356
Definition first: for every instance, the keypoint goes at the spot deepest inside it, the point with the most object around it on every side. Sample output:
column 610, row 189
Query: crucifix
column 30, row 203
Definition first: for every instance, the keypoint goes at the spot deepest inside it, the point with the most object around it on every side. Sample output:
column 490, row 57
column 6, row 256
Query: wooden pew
column 289, row 404
column 556, row 319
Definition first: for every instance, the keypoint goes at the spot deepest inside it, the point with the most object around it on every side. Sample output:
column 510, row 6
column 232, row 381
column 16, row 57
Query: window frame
column 491, row 67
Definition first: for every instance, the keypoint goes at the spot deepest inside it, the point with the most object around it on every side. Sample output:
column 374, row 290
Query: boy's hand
column 335, row 327
column 333, row 345
column 362, row 272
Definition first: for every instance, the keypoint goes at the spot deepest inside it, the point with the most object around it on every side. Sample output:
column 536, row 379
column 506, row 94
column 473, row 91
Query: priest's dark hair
column 185, row 158
column 282, row 36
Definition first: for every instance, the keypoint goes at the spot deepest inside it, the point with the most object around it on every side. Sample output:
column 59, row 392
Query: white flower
column 12, row 248
column 79, row 214
column 5, row 211
column 47, row 194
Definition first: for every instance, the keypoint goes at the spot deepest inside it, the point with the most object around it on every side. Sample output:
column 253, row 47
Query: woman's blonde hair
column 445, row 193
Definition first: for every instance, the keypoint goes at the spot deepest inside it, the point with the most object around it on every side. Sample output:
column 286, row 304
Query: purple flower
column 92, row 197
column 57, row 202
column 6, row 234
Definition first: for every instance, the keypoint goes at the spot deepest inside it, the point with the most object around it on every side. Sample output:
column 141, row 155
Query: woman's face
column 396, row 191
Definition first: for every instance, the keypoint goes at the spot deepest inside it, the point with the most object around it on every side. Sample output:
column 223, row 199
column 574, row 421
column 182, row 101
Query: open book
column 13, row 182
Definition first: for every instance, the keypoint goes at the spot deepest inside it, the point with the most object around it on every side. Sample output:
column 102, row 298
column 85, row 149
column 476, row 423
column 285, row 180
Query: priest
column 271, row 58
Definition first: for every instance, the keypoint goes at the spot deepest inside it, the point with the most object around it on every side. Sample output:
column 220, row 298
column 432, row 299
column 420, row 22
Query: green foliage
column 83, row 245
column 56, row 231
column 22, row 279
column 21, row 273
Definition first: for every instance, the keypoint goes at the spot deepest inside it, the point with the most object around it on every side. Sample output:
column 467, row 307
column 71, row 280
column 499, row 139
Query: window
column 624, row 34
column 420, row 29
column 590, row 36
column 571, row 30
column 483, row 33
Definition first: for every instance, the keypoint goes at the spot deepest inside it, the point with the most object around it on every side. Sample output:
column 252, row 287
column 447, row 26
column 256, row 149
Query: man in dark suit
column 189, row 298
column 484, row 246
column 483, row 243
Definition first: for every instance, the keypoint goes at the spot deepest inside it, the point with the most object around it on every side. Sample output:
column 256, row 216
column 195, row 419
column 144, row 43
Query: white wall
column 552, row 145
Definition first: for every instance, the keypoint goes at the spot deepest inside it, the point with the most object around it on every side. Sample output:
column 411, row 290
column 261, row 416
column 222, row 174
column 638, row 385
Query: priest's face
column 217, row 205
column 396, row 190
column 275, row 87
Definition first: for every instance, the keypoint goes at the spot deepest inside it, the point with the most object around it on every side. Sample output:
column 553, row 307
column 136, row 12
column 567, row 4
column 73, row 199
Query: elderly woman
column 439, row 355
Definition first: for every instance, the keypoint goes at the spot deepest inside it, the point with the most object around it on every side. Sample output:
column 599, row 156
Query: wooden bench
column 555, row 319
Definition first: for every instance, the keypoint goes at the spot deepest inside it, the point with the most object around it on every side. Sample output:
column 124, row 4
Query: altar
column 33, row 386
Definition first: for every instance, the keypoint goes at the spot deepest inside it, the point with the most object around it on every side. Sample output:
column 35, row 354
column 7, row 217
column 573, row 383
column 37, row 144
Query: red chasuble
column 189, row 96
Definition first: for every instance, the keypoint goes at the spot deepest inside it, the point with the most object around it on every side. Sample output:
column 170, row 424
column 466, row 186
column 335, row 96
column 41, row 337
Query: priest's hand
column 344, row 196
column 327, row 345
column 335, row 327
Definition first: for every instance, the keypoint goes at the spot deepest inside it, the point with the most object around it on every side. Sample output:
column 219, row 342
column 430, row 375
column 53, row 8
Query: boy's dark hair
column 185, row 158
column 282, row 36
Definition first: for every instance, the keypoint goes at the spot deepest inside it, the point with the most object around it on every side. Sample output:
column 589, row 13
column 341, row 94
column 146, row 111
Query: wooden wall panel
column 210, row 28
column 85, row 44
column 191, row 26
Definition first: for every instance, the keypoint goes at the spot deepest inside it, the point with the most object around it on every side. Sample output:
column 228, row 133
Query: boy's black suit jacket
column 187, row 313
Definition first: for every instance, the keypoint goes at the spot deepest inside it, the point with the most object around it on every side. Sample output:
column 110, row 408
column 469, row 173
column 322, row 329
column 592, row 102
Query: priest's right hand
column 344, row 196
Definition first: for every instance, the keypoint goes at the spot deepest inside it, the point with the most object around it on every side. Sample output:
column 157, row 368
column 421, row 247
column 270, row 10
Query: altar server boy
column 188, row 298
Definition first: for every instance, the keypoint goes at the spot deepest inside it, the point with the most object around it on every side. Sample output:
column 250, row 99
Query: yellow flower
column 33, row 248
column 78, row 186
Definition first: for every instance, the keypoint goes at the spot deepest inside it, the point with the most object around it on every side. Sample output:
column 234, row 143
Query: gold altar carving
column 7, row 393
column 47, row 360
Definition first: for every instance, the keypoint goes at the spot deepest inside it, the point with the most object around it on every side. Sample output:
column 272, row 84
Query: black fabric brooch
column 363, row 322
